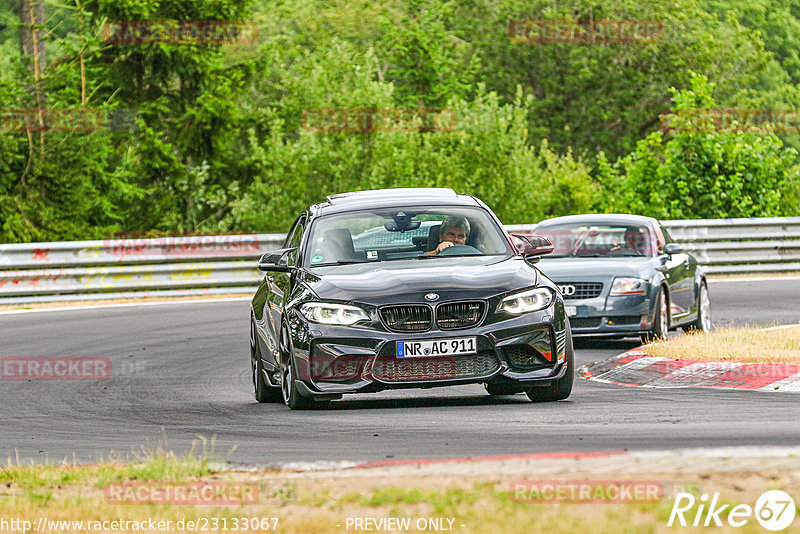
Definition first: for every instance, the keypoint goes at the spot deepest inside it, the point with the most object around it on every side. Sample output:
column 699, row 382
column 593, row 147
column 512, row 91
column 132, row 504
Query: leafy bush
column 703, row 173
column 485, row 154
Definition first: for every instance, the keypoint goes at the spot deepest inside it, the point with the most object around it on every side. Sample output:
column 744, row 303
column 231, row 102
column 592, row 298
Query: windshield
column 404, row 233
column 593, row 240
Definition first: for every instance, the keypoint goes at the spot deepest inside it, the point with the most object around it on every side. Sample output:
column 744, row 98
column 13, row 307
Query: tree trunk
column 32, row 34
column 32, row 47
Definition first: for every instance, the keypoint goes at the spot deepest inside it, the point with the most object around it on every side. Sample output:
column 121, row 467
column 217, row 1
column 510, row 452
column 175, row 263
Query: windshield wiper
column 338, row 262
column 426, row 256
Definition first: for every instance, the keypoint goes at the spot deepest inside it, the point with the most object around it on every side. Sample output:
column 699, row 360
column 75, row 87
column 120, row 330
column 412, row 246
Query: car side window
column 294, row 238
column 662, row 238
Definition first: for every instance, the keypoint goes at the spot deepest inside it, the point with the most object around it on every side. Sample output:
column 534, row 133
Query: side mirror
column 276, row 261
column 537, row 245
column 673, row 248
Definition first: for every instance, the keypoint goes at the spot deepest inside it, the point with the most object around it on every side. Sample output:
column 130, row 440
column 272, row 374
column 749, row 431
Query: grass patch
column 745, row 345
column 156, row 465
column 320, row 504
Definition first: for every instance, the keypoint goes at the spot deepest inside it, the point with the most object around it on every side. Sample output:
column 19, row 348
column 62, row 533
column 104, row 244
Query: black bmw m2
column 406, row 288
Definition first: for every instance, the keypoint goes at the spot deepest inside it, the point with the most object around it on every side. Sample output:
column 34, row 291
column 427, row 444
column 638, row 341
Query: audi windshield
column 598, row 240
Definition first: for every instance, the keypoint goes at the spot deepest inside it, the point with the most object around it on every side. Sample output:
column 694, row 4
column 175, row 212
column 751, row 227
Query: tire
column 289, row 393
column 562, row 388
column 502, row 389
column 262, row 390
column 660, row 318
column 703, row 321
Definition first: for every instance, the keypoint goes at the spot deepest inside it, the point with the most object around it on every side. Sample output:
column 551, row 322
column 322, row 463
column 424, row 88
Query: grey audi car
column 621, row 275
column 405, row 288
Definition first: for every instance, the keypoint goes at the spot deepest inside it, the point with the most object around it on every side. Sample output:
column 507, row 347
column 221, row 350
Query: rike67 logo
column 774, row 510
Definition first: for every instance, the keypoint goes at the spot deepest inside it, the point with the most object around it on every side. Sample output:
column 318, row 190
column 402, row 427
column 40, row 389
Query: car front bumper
column 611, row 315
column 527, row 350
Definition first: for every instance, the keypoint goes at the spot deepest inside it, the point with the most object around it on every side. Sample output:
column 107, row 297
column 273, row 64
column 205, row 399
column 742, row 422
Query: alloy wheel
column 253, row 355
column 705, row 309
column 663, row 316
column 286, row 381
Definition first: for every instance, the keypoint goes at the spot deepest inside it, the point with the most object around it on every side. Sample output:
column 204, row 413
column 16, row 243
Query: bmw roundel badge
column 431, row 296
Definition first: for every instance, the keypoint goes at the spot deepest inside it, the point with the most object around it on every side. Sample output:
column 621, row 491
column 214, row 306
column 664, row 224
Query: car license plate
column 572, row 311
column 436, row 347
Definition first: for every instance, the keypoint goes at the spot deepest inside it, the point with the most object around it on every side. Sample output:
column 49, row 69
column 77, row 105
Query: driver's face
column 632, row 239
column 457, row 236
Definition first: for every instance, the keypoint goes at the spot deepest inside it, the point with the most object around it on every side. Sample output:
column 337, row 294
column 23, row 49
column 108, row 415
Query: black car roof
column 601, row 218
column 389, row 198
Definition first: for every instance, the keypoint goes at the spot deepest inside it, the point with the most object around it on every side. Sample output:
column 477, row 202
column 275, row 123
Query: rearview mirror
column 673, row 248
column 276, row 261
column 402, row 226
column 535, row 245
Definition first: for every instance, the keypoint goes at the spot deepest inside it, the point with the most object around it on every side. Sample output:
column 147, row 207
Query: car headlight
column 628, row 286
column 527, row 301
column 329, row 313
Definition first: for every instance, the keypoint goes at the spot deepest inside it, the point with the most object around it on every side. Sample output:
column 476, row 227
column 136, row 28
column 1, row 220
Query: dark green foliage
column 701, row 173
column 540, row 129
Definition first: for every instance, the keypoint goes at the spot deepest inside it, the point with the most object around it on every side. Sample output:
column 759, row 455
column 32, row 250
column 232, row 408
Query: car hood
column 410, row 280
column 577, row 269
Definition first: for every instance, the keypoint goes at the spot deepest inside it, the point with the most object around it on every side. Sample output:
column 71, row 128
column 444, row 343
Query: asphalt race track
column 180, row 371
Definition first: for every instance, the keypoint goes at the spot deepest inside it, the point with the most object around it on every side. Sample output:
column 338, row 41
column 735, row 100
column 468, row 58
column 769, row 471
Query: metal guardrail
column 735, row 246
column 38, row 272
column 207, row 265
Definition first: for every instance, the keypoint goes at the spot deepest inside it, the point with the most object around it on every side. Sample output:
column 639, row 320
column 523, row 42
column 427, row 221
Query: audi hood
column 576, row 269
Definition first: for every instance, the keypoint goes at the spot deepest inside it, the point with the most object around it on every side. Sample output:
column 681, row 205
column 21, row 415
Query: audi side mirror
column 673, row 248
column 276, row 261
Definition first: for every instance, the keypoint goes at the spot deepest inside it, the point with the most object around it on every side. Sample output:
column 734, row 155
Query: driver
column 453, row 231
column 634, row 240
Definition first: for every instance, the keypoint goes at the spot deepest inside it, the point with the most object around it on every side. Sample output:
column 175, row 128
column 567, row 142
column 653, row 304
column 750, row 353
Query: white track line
column 123, row 305
column 781, row 327
column 743, row 452
column 753, row 279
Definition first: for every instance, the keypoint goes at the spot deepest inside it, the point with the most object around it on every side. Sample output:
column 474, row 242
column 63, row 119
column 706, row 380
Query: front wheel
column 562, row 388
column 660, row 318
column 291, row 396
column 263, row 391
column 703, row 321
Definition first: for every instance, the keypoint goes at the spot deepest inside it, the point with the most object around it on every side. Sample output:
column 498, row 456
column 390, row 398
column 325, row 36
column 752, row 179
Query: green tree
column 607, row 96
column 701, row 173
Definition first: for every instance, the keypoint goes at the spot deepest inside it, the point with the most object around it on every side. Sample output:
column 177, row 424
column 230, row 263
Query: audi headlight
column 329, row 313
column 628, row 286
column 527, row 301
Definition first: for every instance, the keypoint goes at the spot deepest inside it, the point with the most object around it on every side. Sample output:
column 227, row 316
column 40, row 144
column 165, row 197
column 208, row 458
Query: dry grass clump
column 746, row 345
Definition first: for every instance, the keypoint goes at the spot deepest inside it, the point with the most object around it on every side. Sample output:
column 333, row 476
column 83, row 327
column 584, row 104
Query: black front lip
column 380, row 345
column 541, row 377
